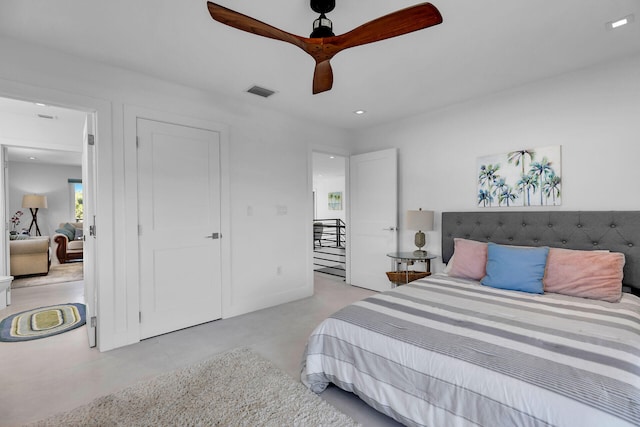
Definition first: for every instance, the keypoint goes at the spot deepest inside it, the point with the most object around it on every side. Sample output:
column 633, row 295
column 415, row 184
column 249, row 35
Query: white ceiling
column 481, row 48
column 328, row 166
column 24, row 125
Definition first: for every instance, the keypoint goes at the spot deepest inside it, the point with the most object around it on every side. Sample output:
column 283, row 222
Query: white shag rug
column 237, row 388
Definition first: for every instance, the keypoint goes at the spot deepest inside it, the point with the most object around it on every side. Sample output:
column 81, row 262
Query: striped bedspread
column 448, row 352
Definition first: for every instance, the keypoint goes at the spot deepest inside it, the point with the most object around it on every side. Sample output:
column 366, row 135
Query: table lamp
column 422, row 221
column 34, row 202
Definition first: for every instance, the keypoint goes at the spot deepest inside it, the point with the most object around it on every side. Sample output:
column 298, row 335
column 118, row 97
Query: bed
column 450, row 351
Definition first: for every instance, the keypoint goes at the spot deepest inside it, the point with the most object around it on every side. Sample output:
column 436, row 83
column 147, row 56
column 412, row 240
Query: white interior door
column 88, row 224
column 374, row 217
column 179, row 225
column 4, row 214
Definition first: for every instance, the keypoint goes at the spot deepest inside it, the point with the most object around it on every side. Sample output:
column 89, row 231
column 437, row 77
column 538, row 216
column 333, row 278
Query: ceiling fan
column 322, row 44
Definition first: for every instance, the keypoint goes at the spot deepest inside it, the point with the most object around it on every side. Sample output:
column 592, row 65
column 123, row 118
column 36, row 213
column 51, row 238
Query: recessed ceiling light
column 612, row 25
column 359, row 112
column 40, row 104
column 332, row 157
column 33, row 158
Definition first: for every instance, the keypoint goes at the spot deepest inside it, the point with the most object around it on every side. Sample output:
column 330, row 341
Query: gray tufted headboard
column 617, row 231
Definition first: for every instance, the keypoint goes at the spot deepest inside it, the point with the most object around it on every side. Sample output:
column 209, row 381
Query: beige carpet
column 58, row 273
column 237, row 388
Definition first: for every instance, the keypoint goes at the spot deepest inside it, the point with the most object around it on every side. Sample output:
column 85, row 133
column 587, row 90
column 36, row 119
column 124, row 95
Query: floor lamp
column 34, row 202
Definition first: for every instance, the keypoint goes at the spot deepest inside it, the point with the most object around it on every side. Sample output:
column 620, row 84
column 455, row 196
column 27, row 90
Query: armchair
column 30, row 256
column 68, row 246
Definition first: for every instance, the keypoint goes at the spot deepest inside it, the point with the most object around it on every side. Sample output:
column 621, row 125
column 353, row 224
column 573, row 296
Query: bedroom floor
column 41, row 377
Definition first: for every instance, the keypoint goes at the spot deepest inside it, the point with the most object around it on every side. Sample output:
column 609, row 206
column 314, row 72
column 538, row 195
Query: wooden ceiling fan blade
column 324, row 48
column 246, row 23
column 322, row 77
column 395, row 24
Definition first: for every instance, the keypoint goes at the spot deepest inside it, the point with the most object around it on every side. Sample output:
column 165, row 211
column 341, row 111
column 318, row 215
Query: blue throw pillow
column 516, row 268
column 70, row 228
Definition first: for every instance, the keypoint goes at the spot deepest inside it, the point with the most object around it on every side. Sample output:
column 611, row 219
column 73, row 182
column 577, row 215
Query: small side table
column 5, row 291
column 408, row 258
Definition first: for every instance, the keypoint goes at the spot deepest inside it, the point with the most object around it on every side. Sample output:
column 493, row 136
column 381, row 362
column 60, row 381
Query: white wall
column 594, row 114
column 322, row 187
column 47, row 180
column 268, row 168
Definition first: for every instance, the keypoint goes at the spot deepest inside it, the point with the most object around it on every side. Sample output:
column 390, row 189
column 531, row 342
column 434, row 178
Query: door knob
column 213, row 236
column 390, row 229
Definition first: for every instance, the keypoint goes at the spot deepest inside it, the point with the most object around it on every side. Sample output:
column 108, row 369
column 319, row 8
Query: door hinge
column 137, row 142
column 139, row 317
column 94, row 322
column 92, row 228
column 91, row 139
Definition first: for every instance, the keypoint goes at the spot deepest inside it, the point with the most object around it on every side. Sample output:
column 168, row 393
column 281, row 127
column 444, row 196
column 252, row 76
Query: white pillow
column 449, row 265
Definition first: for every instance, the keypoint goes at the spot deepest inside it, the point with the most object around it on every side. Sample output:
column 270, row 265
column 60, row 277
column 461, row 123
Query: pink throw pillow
column 470, row 259
column 586, row 274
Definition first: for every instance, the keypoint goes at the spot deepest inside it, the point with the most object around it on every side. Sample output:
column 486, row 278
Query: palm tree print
column 551, row 187
column 487, row 178
column 525, row 177
column 526, row 184
column 541, row 170
column 500, row 186
column 507, row 195
column 485, row 198
column 518, row 157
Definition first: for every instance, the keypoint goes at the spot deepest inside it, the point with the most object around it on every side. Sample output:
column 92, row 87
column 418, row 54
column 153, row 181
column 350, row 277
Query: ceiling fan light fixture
column 322, row 27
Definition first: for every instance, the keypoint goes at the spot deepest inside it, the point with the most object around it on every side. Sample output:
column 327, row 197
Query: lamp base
column 420, row 252
column 34, row 221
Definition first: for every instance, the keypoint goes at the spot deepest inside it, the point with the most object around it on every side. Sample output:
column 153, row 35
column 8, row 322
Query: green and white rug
column 42, row 322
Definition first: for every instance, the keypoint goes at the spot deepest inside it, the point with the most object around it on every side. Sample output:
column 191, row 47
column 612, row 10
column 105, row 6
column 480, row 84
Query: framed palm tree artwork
column 524, row 177
column 335, row 201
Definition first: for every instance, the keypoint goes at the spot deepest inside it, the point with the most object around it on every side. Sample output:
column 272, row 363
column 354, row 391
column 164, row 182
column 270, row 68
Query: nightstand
column 399, row 276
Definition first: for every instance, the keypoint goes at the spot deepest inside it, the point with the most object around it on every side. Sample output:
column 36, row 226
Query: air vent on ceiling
column 46, row 116
column 260, row 91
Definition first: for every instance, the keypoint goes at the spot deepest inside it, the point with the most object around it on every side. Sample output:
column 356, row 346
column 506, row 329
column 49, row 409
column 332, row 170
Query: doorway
column 329, row 215
column 43, row 148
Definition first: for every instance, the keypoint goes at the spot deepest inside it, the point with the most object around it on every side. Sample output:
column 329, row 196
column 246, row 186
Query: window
column 76, row 208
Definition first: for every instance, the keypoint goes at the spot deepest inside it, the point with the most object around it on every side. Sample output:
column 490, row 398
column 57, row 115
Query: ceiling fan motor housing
column 323, row 6
column 322, row 27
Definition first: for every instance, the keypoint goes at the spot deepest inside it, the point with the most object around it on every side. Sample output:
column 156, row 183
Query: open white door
column 89, row 235
column 4, row 217
column 179, row 226
column 374, row 217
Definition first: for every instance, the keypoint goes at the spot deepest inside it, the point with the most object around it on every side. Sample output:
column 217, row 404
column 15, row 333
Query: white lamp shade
column 420, row 220
column 34, row 201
